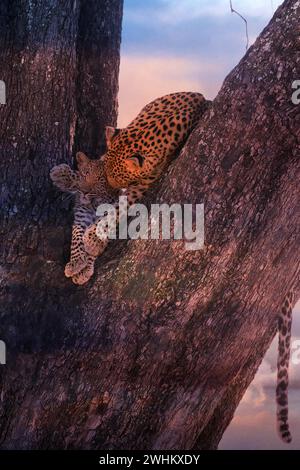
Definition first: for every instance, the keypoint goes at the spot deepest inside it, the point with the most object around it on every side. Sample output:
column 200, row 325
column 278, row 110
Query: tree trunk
column 157, row 351
column 61, row 83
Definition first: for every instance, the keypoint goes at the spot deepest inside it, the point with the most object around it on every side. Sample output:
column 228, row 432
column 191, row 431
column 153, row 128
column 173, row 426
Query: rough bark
column 58, row 77
column 98, row 55
column 157, row 351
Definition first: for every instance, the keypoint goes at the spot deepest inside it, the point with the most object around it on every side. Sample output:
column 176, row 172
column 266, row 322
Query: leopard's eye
column 137, row 159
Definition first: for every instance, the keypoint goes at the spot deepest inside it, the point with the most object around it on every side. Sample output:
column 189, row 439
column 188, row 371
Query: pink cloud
column 143, row 79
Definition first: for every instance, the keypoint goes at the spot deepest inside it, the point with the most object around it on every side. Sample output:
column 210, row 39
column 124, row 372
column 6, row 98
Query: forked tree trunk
column 157, row 351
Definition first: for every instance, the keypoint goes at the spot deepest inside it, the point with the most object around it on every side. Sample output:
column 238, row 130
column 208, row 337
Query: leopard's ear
column 81, row 159
column 110, row 133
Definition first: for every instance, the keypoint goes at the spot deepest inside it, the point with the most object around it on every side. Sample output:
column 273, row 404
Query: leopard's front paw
column 75, row 266
column 93, row 245
column 63, row 177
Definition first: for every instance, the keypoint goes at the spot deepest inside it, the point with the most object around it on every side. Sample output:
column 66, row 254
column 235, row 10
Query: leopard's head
column 91, row 172
column 125, row 161
column 92, row 180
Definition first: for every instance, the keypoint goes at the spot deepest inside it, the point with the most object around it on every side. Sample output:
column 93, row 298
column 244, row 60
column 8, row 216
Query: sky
column 182, row 45
column 253, row 426
column 191, row 45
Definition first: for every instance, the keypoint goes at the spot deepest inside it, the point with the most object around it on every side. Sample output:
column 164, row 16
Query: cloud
column 178, row 11
column 254, row 425
column 256, row 429
column 143, row 79
column 173, row 45
column 204, row 31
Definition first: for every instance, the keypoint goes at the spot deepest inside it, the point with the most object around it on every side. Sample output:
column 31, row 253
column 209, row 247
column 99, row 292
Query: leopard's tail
column 284, row 330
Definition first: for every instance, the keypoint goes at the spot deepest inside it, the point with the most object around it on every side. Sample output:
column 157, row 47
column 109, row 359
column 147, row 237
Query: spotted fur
column 137, row 155
column 284, row 330
column 90, row 188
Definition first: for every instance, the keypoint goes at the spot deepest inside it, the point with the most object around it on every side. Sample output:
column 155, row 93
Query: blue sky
column 176, row 45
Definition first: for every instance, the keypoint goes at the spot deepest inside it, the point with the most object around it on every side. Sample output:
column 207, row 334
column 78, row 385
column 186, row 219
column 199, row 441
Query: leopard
column 138, row 155
column 142, row 150
column 89, row 186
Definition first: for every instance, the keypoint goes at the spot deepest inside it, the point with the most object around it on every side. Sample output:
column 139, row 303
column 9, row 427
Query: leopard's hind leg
column 84, row 216
column 94, row 245
column 81, row 265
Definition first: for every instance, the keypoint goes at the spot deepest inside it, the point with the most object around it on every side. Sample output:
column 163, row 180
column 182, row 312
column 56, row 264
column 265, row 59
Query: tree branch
column 245, row 21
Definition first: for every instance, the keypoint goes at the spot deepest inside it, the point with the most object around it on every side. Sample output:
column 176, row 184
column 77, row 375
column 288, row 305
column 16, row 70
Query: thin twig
column 244, row 19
